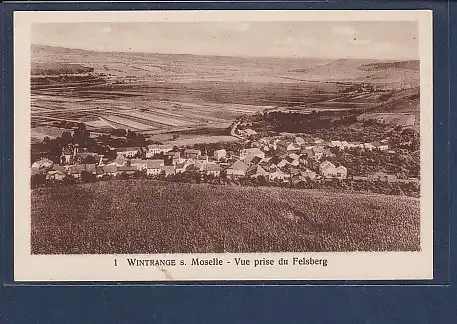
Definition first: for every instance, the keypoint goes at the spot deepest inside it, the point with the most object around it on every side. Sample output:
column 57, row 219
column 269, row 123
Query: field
column 156, row 93
column 146, row 216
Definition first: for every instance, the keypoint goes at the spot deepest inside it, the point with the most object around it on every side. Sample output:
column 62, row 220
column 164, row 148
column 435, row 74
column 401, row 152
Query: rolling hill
column 190, row 68
column 369, row 71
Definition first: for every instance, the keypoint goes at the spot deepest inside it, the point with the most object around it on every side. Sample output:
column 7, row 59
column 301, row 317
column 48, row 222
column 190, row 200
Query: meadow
column 148, row 216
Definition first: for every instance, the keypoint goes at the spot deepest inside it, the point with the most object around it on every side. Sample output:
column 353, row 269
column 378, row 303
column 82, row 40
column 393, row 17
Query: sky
column 363, row 39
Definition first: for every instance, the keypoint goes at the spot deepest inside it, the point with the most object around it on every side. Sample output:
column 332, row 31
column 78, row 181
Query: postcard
column 223, row 145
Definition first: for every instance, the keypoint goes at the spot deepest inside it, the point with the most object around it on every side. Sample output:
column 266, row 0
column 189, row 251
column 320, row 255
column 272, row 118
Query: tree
column 90, row 159
column 37, row 180
column 66, row 138
column 87, row 177
column 81, row 135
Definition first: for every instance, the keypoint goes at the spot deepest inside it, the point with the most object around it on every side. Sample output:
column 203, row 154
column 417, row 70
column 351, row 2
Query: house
column 289, row 159
column 110, row 170
column 308, row 174
column 213, row 169
column 282, row 163
column 291, row 169
column 203, row 159
column 328, row 170
column 128, row 151
column 139, row 164
column 303, row 160
column 182, row 166
column 142, row 165
column 175, row 154
column 274, row 160
column 252, row 160
column 68, row 153
column 307, row 154
column 308, row 146
column 251, row 152
column 75, row 170
column 153, row 163
column 168, row 170
column 382, row 176
column 58, row 167
column 220, row 154
column 154, row 167
column 91, row 168
column 257, row 171
column 249, row 132
column 278, row 175
column 303, row 176
column 55, row 175
column 299, row 141
column 194, row 167
column 42, row 164
column 237, row 169
column 368, row 146
column 326, row 152
column 34, row 171
column 294, row 156
column 170, row 158
column 336, row 144
column 359, row 178
column 86, row 158
column 295, row 163
column 102, row 160
column 318, row 152
column 119, row 161
column 285, row 147
column 293, row 159
column 341, row 172
column 157, row 149
column 192, row 154
column 264, row 141
column 356, row 145
column 127, row 169
column 381, row 146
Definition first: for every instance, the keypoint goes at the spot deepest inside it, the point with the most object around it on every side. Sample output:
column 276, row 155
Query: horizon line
column 236, row 56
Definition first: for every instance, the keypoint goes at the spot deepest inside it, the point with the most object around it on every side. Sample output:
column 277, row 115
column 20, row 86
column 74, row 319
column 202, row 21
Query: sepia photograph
column 222, row 137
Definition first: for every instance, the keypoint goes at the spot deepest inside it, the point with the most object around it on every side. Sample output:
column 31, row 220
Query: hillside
column 175, row 67
column 407, row 65
column 185, row 67
column 406, row 101
column 370, row 71
column 146, row 216
column 51, row 68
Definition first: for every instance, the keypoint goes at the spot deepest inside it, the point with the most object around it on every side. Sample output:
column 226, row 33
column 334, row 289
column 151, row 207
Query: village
column 274, row 160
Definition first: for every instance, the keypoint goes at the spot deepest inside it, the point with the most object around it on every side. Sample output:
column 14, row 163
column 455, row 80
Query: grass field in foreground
column 146, row 216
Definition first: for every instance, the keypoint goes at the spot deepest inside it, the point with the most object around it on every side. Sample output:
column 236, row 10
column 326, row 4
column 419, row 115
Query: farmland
column 147, row 216
column 157, row 93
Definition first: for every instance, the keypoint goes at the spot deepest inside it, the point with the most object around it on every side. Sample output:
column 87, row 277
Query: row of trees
column 403, row 164
column 328, row 127
column 52, row 148
column 383, row 187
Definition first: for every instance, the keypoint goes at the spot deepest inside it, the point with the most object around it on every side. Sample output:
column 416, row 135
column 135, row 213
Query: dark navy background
column 433, row 301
